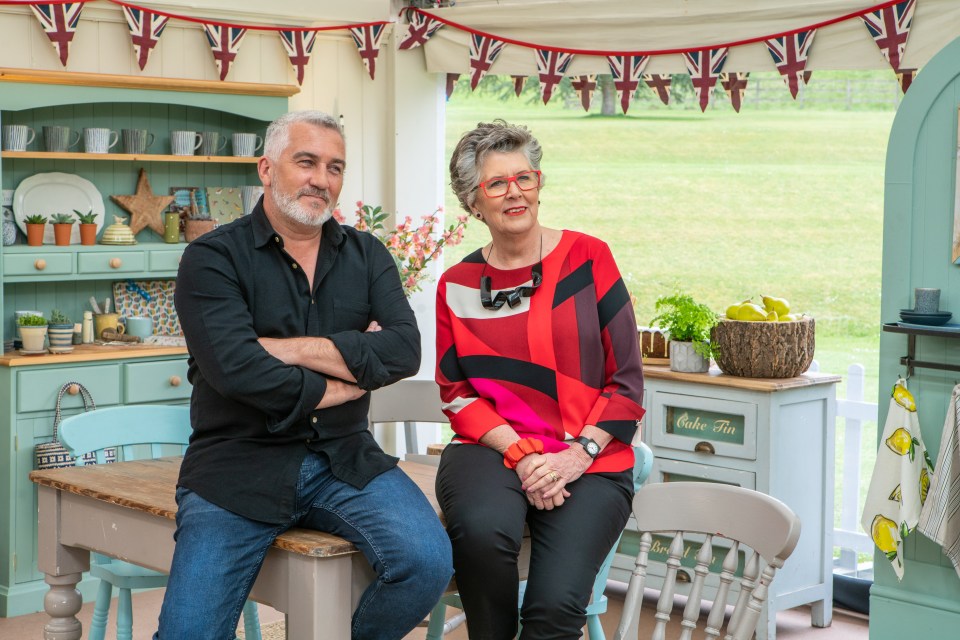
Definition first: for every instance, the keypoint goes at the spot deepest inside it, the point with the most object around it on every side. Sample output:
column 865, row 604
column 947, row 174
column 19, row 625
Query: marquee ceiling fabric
column 653, row 26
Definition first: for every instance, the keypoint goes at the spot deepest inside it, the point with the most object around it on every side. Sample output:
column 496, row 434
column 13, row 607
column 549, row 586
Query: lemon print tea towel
column 900, row 479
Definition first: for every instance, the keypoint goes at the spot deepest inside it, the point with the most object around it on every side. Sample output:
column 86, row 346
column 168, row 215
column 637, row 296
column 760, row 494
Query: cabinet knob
column 683, row 576
column 40, row 264
column 174, row 381
column 73, row 389
column 115, row 263
column 704, row 447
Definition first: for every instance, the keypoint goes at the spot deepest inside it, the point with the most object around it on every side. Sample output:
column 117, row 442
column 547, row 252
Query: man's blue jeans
column 219, row 553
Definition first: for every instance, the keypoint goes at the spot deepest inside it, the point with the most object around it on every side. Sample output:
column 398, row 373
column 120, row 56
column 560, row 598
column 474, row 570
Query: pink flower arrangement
column 411, row 247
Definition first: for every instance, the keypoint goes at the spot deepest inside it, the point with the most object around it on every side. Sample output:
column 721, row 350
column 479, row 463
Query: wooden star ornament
column 145, row 208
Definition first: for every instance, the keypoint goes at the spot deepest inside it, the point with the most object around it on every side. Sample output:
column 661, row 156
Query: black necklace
column 511, row 297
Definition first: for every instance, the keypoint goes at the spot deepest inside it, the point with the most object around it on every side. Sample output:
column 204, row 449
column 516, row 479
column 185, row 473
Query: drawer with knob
column 37, row 264
column 112, row 262
column 37, row 389
column 161, row 381
column 704, row 426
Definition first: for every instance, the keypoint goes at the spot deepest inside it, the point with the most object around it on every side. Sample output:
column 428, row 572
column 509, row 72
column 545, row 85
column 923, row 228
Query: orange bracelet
column 519, row 449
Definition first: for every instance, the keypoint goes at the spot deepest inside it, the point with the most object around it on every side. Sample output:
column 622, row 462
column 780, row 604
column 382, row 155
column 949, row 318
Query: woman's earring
column 478, row 216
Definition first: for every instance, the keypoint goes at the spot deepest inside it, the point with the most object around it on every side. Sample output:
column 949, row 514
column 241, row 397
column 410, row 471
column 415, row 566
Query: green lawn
column 726, row 206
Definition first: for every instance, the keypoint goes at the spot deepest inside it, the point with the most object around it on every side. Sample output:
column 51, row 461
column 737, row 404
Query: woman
column 540, row 374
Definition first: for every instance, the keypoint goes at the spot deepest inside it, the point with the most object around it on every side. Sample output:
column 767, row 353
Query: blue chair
column 136, row 432
column 439, row 626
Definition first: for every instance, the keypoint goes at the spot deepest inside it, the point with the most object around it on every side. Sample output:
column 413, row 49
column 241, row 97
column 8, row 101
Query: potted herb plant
column 689, row 323
column 33, row 332
column 35, row 227
column 88, row 227
column 62, row 228
column 60, row 332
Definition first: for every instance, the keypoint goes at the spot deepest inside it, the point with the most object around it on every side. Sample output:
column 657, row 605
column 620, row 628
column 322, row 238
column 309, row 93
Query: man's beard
column 290, row 206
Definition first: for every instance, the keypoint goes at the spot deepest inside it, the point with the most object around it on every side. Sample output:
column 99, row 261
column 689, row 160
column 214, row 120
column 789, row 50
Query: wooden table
column 126, row 510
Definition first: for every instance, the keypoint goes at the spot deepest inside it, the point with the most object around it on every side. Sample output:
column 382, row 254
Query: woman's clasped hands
column 544, row 476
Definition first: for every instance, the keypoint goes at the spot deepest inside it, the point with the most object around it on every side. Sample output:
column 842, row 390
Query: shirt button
column 309, row 440
column 314, row 419
column 276, row 238
column 293, row 266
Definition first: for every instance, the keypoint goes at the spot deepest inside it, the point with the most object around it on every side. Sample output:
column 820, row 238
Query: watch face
column 593, row 448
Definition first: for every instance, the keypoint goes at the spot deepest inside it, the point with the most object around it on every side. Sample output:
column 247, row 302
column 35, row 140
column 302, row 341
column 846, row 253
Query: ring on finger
column 554, row 476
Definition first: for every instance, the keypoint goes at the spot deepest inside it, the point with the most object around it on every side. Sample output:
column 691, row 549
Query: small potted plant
column 689, row 323
column 60, row 332
column 33, row 332
column 88, row 227
column 62, row 228
column 35, row 227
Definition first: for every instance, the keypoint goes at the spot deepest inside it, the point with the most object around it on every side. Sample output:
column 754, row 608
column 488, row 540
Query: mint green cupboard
column 49, row 277
column 919, row 203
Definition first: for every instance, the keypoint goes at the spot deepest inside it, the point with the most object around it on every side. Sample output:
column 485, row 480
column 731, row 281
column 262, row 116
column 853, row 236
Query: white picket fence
column 852, row 412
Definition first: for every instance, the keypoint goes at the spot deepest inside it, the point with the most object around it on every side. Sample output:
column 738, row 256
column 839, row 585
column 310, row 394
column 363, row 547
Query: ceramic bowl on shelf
column 933, row 318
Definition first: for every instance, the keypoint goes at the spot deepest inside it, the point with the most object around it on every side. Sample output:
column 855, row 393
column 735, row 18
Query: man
column 290, row 319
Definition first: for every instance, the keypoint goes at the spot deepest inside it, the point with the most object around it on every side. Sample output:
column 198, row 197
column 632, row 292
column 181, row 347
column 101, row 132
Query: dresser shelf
column 126, row 157
column 909, row 360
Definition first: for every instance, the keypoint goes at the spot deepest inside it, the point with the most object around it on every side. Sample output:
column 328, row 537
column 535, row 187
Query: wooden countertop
column 90, row 353
column 716, row 377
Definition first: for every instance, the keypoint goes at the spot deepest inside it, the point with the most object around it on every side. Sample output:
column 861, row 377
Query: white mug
column 16, row 137
column 184, row 143
column 99, row 140
column 246, row 144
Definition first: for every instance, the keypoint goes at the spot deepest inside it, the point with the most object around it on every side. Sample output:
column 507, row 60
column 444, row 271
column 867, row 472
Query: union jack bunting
column 734, row 84
column 224, row 43
column 145, row 30
column 451, row 83
column 419, row 30
column 551, row 65
column 518, row 82
column 299, row 46
column 705, row 66
column 659, row 83
column 59, row 22
column 483, row 53
column 626, row 71
column 584, row 86
column 790, row 55
column 890, row 27
column 368, row 44
column 905, row 77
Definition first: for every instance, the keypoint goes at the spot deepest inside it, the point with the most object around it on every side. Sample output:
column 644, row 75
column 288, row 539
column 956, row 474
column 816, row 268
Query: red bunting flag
column 905, row 78
column 705, row 66
column 59, row 22
column 626, row 71
column 659, row 83
column 368, row 44
column 145, row 31
column 224, row 43
column 551, row 65
column 483, row 53
column 518, row 82
column 299, row 46
column 890, row 27
column 734, row 84
column 451, row 83
column 584, row 86
column 790, row 55
column 419, row 30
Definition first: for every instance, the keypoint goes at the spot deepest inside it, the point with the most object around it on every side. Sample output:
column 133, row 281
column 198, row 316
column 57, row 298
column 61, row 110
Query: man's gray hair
column 472, row 150
column 278, row 133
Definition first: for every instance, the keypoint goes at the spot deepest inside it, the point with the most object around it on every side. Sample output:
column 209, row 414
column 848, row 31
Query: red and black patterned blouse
column 563, row 358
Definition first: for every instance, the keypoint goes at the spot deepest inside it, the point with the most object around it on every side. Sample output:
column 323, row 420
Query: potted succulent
column 33, row 332
column 88, row 227
column 62, row 228
column 60, row 332
column 35, row 227
column 689, row 324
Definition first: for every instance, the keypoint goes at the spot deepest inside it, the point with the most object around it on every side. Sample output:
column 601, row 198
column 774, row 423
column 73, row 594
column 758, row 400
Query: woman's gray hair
column 472, row 150
column 278, row 133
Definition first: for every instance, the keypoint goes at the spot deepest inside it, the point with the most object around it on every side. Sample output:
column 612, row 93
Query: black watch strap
column 589, row 445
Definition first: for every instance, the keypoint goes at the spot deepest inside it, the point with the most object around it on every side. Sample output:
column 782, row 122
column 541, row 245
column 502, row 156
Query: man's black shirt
column 254, row 417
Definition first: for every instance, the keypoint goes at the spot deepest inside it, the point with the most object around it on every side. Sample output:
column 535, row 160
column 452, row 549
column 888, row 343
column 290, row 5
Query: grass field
column 725, row 206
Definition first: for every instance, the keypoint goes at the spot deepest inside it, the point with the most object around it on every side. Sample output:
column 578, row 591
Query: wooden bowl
column 764, row 349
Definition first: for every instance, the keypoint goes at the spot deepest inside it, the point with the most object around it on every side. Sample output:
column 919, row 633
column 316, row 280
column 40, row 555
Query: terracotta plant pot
column 196, row 228
column 61, row 234
column 35, row 234
column 88, row 234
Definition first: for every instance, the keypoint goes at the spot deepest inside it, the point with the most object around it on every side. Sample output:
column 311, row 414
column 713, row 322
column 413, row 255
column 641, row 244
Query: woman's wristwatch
column 589, row 445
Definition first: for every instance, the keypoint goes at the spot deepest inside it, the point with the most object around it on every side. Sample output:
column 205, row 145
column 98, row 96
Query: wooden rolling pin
column 111, row 335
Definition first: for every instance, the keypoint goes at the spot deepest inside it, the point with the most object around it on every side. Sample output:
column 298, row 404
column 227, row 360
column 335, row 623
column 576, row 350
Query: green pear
column 788, row 318
column 732, row 311
column 781, row 306
column 751, row 312
column 772, row 316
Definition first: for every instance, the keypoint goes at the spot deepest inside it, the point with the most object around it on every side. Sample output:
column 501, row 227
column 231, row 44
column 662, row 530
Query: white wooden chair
column 716, row 520
column 409, row 402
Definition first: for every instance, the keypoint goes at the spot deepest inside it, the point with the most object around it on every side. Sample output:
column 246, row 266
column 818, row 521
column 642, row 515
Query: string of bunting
column 59, row 20
column 888, row 23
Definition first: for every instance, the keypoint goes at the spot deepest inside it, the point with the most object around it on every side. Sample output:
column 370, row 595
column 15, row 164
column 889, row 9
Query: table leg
column 821, row 613
column 319, row 598
column 62, row 603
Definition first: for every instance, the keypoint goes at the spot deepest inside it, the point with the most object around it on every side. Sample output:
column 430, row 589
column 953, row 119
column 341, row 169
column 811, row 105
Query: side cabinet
column 774, row 436
column 28, row 395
